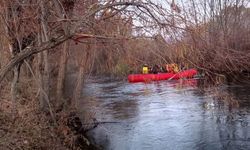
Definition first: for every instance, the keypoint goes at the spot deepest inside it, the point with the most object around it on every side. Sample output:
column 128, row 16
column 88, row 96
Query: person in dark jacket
column 155, row 69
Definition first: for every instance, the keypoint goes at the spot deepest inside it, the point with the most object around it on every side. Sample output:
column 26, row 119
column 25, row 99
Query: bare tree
column 58, row 22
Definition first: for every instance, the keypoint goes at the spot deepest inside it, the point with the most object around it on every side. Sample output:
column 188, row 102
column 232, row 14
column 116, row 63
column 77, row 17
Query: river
column 167, row 115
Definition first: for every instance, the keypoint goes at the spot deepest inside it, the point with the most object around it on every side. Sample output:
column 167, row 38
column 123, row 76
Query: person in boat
column 163, row 69
column 145, row 69
column 168, row 68
column 155, row 69
column 175, row 68
column 172, row 68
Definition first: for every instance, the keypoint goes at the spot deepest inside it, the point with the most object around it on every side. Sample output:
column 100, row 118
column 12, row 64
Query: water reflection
column 168, row 115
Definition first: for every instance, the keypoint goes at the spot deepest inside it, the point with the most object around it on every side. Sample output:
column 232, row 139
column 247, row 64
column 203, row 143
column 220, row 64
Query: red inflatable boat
column 161, row 76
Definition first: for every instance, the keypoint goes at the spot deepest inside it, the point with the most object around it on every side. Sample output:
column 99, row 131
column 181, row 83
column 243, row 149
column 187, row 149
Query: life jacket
column 172, row 68
column 175, row 68
column 169, row 68
column 145, row 70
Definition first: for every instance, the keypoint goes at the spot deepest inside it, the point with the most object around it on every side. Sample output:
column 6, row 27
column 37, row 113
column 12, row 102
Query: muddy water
column 167, row 115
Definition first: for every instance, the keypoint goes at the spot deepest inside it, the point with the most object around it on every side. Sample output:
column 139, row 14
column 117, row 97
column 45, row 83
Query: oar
column 173, row 76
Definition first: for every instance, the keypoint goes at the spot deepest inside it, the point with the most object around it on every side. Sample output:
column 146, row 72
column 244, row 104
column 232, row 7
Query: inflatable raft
column 162, row 76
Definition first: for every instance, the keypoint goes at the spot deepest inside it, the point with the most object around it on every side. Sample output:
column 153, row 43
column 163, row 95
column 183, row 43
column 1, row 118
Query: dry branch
column 29, row 51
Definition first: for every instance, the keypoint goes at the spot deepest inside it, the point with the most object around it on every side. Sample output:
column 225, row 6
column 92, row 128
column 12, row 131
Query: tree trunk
column 40, row 82
column 44, row 35
column 81, row 73
column 39, row 73
column 79, row 82
column 62, row 72
column 14, row 83
column 46, row 73
column 63, row 59
column 16, row 71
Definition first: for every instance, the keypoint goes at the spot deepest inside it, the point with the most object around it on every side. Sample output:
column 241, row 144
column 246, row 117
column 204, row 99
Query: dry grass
column 28, row 128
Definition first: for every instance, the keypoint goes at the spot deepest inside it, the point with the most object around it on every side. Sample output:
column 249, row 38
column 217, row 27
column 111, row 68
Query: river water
column 167, row 115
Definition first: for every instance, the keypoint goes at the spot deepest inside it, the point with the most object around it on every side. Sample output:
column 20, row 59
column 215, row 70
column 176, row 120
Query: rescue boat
column 162, row 76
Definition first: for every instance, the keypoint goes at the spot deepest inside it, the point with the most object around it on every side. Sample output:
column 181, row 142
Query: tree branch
column 28, row 51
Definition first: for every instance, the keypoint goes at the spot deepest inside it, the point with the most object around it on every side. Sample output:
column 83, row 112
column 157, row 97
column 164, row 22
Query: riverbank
column 24, row 126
